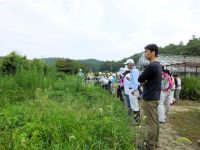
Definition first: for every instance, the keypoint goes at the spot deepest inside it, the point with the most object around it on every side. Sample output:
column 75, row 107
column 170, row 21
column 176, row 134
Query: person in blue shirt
column 113, row 84
column 133, row 90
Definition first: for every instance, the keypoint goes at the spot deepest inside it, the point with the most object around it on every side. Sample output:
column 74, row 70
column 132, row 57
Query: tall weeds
column 191, row 88
column 39, row 111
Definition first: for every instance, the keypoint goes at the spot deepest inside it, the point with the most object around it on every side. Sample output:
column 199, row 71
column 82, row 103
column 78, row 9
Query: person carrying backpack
column 164, row 103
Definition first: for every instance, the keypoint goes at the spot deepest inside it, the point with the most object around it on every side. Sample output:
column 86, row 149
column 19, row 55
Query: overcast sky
column 101, row 29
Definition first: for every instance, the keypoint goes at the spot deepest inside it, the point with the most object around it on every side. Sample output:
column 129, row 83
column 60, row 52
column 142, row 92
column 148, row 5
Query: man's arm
column 134, row 79
column 146, row 75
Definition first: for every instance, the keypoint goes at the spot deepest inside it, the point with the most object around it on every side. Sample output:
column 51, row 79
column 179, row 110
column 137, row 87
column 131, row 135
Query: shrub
column 191, row 88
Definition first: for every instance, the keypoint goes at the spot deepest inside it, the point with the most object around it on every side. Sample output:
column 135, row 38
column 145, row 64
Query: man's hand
column 144, row 82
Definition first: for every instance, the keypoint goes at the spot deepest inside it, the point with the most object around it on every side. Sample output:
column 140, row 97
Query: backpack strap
column 168, row 78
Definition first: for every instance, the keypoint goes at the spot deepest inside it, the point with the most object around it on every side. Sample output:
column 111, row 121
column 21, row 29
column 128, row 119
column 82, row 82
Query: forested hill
column 95, row 65
column 191, row 48
column 91, row 63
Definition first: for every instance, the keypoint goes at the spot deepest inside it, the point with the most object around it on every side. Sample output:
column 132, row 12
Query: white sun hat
column 129, row 61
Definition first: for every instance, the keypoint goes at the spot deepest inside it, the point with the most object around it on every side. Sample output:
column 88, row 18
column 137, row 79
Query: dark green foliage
column 192, row 48
column 91, row 64
column 191, row 88
column 40, row 65
column 50, row 61
column 11, row 62
column 69, row 66
column 172, row 49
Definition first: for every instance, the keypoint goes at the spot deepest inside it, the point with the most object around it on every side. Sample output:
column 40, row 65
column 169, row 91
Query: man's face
column 148, row 54
column 130, row 66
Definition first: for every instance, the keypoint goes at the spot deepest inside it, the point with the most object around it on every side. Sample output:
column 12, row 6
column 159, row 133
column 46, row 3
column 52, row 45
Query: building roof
column 175, row 63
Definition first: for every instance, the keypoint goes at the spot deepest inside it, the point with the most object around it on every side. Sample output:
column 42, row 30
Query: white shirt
column 178, row 83
column 126, row 84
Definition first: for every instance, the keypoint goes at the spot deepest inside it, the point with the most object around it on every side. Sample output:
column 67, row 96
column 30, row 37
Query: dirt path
column 168, row 136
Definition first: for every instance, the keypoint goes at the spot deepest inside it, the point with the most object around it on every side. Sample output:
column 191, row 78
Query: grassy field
column 187, row 122
column 40, row 111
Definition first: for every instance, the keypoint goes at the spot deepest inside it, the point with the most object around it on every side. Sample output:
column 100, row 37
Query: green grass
column 187, row 124
column 40, row 111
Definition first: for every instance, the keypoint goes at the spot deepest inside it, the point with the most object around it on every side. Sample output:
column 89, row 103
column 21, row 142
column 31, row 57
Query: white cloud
column 106, row 30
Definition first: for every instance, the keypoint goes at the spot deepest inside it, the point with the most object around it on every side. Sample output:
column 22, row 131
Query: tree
column 69, row 66
column 193, row 47
column 12, row 62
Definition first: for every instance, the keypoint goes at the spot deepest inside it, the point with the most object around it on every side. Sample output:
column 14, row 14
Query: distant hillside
column 98, row 65
column 91, row 63
column 50, row 61
column 192, row 48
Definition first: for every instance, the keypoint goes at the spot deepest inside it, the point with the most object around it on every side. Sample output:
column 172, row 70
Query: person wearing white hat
column 80, row 76
column 129, row 61
column 80, row 73
column 133, row 89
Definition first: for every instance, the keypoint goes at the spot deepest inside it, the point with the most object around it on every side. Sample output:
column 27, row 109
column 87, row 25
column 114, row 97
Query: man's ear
column 153, row 52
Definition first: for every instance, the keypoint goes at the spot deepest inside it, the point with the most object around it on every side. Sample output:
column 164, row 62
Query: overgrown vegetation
column 191, row 88
column 192, row 48
column 69, row 66
column 41, row 109
column 187, row 124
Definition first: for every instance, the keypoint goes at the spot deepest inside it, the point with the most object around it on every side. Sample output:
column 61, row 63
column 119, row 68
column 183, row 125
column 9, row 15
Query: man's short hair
column 152, row 47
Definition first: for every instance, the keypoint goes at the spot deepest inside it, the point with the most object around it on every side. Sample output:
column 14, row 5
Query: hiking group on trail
column 154, row 86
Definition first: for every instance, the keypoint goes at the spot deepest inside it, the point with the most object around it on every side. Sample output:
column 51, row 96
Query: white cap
column 129, row 61
column 100, row 73
column 114, row 75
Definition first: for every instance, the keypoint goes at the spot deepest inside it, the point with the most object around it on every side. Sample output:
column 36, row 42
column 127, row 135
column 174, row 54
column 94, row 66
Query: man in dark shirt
column 151, row 80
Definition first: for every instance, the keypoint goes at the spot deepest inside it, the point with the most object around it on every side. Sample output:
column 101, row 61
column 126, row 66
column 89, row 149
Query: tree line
column 9, row 63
